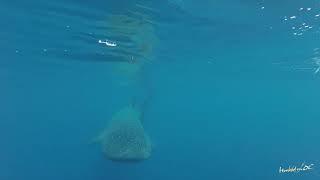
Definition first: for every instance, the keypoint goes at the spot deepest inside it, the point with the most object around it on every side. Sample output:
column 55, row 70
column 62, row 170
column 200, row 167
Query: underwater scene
column 160, row 90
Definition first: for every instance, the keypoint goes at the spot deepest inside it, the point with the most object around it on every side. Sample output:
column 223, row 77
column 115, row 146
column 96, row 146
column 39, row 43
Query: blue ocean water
column 228, row 89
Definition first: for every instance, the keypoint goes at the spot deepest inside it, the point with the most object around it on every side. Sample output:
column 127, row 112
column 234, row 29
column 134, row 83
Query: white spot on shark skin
column 107, row 43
